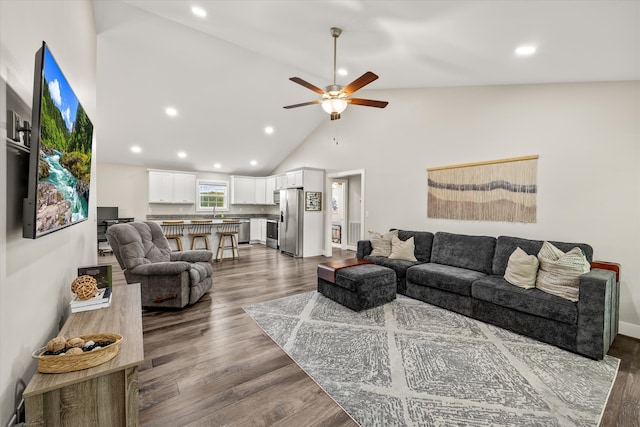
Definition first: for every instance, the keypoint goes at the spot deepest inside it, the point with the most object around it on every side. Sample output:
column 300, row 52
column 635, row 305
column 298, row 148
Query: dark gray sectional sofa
column 465, row 274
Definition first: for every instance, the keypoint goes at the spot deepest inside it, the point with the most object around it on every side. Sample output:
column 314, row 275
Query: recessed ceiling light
column 343, row 71
column 217, row 165
column 199, row 12
column 136, row 149
column 268, row 130
column 525, row 50
column 253, row 163
column 171, row 112
column 182, row 154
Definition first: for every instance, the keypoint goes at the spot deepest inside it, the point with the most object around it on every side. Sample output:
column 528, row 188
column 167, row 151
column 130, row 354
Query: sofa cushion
column 400, row 266
column 560, row 272
column 402, row 249
column 445, row 277
column 496, row 290
column 522, row 269
column 363, row 249
column 459, row 250
column 506, row 245
column 423, row 241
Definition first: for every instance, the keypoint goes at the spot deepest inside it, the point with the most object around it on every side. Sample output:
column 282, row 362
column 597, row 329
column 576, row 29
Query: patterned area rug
column 408, row 363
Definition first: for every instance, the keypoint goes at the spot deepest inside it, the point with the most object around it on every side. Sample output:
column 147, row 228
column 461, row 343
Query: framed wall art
column 312, row 201
column 496, row 190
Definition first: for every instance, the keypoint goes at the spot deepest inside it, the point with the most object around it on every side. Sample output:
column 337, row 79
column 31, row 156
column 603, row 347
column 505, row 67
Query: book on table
column 101, row 300
column 91, row 307
column 102, row 273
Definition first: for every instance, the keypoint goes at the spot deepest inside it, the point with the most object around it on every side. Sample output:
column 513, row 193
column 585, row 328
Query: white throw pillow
column 403, row 250
column 381, row 243
column 560, row 272
column 522, row 269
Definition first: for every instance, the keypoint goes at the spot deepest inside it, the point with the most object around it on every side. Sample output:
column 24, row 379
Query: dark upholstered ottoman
column 360, row 287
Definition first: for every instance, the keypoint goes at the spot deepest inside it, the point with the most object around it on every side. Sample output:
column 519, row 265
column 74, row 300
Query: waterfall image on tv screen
column 64, row 153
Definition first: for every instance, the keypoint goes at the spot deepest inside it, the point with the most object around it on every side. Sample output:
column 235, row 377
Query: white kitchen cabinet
column 171, row 187
column 254, row 230
column 258, row 230
column 184, row 188
column 249, row 190
column 263, row 230
column 260, row 191
column 243, row 190
column 270, row 188
column 295, row 179
column 160, row 187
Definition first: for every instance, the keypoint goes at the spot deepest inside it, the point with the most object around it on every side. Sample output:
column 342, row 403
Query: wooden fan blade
column 303, row 104
column 367, row 102
column 358, row 83
column 307, row 85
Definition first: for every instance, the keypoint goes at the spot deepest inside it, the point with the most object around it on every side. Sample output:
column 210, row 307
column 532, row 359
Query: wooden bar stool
column 174, row 230
column 200, row 229
column 229, row 228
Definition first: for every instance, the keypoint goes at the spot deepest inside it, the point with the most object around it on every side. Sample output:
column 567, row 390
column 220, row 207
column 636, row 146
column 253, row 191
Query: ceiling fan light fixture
column 334, row 105
column 336, row 97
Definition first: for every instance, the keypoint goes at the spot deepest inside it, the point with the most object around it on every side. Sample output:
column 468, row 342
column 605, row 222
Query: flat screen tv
column 60, row 158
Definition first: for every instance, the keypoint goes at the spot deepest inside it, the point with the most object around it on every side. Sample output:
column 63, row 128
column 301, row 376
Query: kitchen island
column 245, row 235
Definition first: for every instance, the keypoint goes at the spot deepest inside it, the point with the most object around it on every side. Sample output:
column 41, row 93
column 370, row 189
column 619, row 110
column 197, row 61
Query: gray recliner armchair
column 167, row 279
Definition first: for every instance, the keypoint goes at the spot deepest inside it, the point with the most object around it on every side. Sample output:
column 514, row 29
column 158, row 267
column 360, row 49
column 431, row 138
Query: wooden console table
column 105, row 395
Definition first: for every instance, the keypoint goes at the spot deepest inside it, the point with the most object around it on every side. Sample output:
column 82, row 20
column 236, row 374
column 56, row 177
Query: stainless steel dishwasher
column 245, row 231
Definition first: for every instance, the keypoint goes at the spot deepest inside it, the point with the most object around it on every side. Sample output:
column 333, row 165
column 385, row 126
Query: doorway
column 345, row 214
column 339, row 212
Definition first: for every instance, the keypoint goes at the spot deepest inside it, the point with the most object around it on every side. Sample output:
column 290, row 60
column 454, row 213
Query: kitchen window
column 213, row 196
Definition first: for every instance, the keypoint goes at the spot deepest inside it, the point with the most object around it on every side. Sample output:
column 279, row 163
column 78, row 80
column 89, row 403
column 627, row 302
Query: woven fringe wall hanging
column 497, row 190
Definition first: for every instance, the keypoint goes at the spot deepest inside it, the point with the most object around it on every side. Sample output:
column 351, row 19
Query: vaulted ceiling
column 227, row 74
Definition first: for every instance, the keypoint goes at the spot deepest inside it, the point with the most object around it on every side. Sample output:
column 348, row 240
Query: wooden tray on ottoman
column 327, row 270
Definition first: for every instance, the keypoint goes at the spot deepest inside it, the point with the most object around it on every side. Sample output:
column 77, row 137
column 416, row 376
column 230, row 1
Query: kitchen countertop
column 215, row 219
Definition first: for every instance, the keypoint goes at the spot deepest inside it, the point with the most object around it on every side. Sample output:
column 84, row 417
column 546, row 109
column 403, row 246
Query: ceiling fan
column 335, row 97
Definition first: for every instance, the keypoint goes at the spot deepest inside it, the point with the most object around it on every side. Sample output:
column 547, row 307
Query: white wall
column 313, row 224
column 127, row 187
column 355, row 209
column 586, row 134
column 35, row 275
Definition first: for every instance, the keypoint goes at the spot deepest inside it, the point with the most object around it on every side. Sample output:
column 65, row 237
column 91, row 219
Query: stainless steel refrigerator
column 291, row 216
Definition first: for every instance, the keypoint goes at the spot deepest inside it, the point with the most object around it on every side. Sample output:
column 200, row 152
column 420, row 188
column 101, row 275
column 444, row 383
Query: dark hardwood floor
column 211, row 365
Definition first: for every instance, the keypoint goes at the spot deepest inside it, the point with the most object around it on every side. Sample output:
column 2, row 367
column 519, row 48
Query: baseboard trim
column 629, row 329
